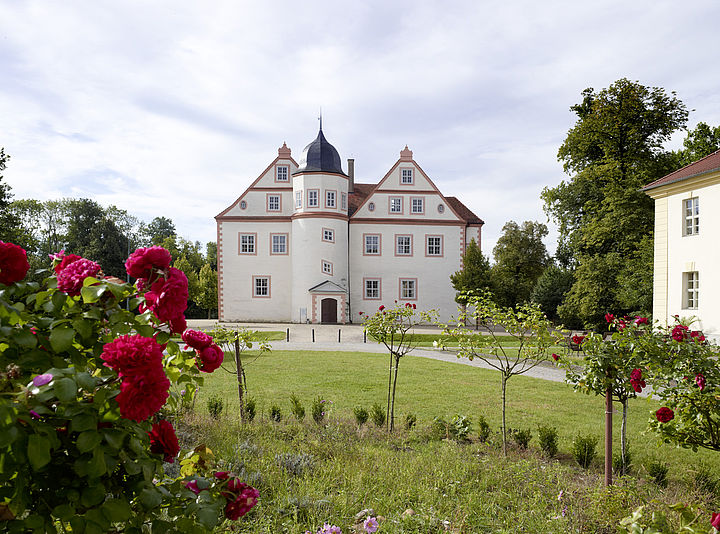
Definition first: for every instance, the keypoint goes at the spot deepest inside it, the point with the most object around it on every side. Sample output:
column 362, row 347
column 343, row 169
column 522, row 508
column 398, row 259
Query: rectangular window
column 403, row 245
column 313, row 196
column 329, row 199
column 278, row 243
column 328, row 235
column 692, row 216
column 434, row 245
column 327, row 267
column 261, row 287
column 343, row 201
column 418, row 205
column 408, row 288
column 281, row 173
column 298, row 199
column 246, row 243
column 396, row 205
column 372, row 289
column 372, row 245
column 273, row 202
column 406, row 177
column 691, row 290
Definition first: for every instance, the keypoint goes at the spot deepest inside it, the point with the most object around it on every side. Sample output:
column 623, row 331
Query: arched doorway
column 328, row 311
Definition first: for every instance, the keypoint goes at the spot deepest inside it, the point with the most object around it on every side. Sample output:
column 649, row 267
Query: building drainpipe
column 351, row 189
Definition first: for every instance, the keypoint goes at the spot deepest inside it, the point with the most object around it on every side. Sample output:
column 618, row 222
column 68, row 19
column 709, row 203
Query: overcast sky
column 172, row 108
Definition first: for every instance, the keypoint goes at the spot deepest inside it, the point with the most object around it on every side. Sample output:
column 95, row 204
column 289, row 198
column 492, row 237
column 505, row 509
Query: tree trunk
column 387, row 412
column 239, row 371
column 504, row 428
column 392, row 417
column 608, row 437
column 623, row 438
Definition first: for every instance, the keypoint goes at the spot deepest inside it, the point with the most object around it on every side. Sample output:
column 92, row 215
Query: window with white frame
column 403, row 245
column 279, row 244
column 692, row 216
column 372, row 288
column 691, row 290
column 273, row 202
column 261, row 286
column 434, row 245
column 372, row 244
column 329, row 199
column 408, row 289
column 282, row 173
column 418, row 205
column 406, row 176
column 327, row 267
column 343, row 201
column 313, row 195
column 298, row 199
column 247, row 244
column 396, row 205
column 328, row 235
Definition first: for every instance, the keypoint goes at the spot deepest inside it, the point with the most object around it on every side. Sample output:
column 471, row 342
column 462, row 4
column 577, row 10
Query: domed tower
column 320, row 236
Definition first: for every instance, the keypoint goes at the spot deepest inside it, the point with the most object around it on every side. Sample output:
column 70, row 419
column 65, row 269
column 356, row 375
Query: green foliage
column 377, row 415
column 410, row 421
column 297, row 408
column 550, row 290
column 318, row 410
column 700, row 142
column 207, row 289
column 158, row 230
column 521, row 437
column 275, row 413
column 583, row 449
column 658, row 470
column 460, row 427
column 704, row 479
column 296, row 464
column 475, row 274
column 215, row 405
column 520, row 259
column 548, row 438
column 250, row 408
column 439, row 429
column 483, row 429
column 361, row 415
column 621, row 467
column 674, row 519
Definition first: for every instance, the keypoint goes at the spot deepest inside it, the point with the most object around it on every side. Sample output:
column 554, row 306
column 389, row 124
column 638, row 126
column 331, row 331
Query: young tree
column 393, row 328
column 208, row 295
column 520, row 259
column 526, row 325
column 550, row 290
column 475, row 272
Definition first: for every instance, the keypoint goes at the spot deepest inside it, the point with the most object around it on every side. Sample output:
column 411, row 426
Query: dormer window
column 281, row 173
column 406, row 176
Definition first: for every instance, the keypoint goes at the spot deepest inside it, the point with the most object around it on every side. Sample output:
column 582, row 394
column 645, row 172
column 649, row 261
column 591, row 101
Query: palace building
column 306, row 243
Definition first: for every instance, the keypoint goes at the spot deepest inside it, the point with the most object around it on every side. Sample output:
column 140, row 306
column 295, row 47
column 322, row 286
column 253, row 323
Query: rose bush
column 86, row 388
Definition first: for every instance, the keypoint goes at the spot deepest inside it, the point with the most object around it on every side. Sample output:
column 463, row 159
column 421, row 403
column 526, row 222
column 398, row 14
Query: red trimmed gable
column 707, row 164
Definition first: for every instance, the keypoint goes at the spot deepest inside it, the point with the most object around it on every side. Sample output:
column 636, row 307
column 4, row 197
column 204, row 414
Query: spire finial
column 320, row 118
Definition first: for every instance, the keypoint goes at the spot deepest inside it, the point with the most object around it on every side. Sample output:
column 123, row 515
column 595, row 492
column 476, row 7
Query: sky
column 173, row 108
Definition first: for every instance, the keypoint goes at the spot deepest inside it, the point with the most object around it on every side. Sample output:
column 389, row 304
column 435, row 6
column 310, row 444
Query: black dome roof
column 320, row 156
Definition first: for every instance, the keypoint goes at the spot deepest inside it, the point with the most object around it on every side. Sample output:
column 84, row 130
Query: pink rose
column 143, row 261
column 210, row 357
column 65, row 261
column 715, row 521
column 680, row 332
column 555, row 357
column 640, row 320
column 168, row 297
column 70, row 279
column 700, row 381
column 196, row 339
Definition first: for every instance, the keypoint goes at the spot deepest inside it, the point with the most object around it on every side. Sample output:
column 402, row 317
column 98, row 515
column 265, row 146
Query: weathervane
column 320, row 118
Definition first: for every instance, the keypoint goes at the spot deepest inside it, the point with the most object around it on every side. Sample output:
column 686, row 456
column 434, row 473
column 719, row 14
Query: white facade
column 686, row 281
column 348, row 248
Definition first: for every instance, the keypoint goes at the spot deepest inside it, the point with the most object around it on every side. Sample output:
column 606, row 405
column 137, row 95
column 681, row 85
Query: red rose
column 640, row 320
column 141, row 263
column 196, row 339
column 142, row 396
column 222, row 475
column 414, row 306
column 210, row 357
column 382, row 307
column 164, row 441
column 192, row 486
column 578, row 339
column 664, row 414
column 168, row 297
column 700, row 381
column 13, row 263
column 555, row 357
column 697, row 335
column 178, row 324
column 715, row 521
column 65, row 261
column 133, row 355
column 679, row 333
column 70, row 279
column 636, row 380
column 609, row 317
column 241, row 500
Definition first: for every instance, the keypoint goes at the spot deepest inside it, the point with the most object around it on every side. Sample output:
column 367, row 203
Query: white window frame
column 247, row 242
column 369, row 247
column 282, row 173
column 281, row 244
column 408, row 289
column 298, row 199
column 330, row 199
column 370, row 292
column 395, row 202
column 326, row 267
column 261, row 287
column 343, row 201
column 407, row 176
column 691, row 216
column 691, row 290
column 419, row 203
column 274, row 203
column 316, row 195
column 328, row 235
column 431, row 248
column 406, row 247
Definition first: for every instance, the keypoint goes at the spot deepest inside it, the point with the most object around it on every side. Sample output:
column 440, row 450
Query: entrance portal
column 328, row 311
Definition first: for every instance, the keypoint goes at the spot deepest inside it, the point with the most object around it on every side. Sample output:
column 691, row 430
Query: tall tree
column 474, row 275
column 158, row 230
column 700, row 142
column 550, row 290
column 8, row 220
column 520, row 258
column 208, row 297
column 614, row 149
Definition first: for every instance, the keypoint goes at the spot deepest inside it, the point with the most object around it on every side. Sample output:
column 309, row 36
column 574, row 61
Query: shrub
column 658, row 471
column 361, row 415
column 410, row 421
column 295, row 464
column 703, row 479
column 318, row 410
column 215, row 406
column 483, row 429
column 296, row 408
column 439, row 429
column 617, row 463
column 250, row 408
column 377, row 415
column 275, row 413
column 521, row 437
column 583, row 449
column 548, row 438
column 460, row 427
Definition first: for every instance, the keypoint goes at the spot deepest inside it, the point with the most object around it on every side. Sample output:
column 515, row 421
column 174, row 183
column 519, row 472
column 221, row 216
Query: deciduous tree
column 475, row 273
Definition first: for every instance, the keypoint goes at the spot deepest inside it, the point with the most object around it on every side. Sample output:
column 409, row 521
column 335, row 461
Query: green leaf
column 61, row 338
column 8, row 436
column 65, row 389
column 116, row 510
column 86, row 381
column 58, row 300
column 207, row 516
column 150, row 498
column 92, row 495
column 84, row 328
column 64, row 512
column 88, row 440
column 78, row 524
column 96, row 466
column 84, row 421
column 114, row 438
column 38, row 451
column 25, row 339
column 91, row 294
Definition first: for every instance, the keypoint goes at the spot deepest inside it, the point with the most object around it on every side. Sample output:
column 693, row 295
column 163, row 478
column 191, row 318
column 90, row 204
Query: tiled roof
column 463, row 211
column 701, row 166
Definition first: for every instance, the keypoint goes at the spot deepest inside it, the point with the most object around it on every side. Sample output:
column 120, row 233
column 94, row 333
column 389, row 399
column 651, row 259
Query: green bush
column 377, row 415
column 275, row 413
column 297, row 408
column 439, row 429
column 703, row 478
column 318, row 410
column 460, row 427
column 658, row 471
column 410, row 421
column 361, row 415
column 548, row 438
column 215, row 406
column 250, row 408
column 583, row 449
column 521, row 437
column 483, row 429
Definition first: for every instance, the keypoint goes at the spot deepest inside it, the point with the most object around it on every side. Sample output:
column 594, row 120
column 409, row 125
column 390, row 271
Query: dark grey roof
column 320, row 156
